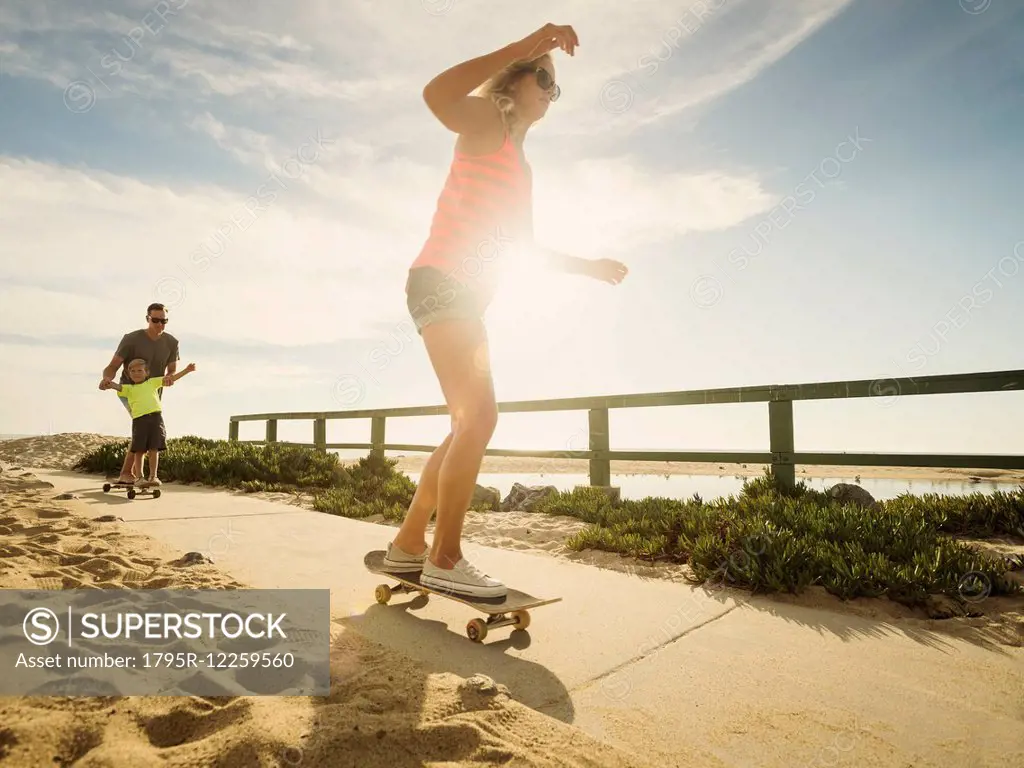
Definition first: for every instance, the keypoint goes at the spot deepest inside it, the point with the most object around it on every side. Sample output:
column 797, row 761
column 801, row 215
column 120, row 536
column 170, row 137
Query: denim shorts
column 431, row 296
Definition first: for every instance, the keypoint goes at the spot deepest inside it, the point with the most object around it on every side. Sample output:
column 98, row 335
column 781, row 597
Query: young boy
column 148, row 431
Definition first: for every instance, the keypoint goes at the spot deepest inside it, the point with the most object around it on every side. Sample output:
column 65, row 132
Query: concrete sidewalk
column 713, row 679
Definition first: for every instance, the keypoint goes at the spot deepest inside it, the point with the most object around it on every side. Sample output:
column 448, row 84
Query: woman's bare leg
column 411, row 536
column 461, row 359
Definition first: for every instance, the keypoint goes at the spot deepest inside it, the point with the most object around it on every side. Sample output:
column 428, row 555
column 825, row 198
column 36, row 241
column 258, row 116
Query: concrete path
column 708, row 678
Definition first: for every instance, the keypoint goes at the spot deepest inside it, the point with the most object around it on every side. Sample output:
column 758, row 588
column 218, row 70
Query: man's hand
column 606, row 270
column 105, row 383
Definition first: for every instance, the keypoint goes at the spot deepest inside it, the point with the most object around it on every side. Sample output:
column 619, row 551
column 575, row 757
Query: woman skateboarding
column 484, row 208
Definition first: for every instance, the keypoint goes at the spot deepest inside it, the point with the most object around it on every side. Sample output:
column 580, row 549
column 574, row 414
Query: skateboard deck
column 509, row 610
column 133, row 491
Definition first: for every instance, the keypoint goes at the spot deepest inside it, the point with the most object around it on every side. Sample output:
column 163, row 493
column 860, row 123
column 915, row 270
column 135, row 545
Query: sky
column 803, row 190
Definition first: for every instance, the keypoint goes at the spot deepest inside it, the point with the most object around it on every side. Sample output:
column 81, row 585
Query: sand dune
column 60, row 451
column 383, row 709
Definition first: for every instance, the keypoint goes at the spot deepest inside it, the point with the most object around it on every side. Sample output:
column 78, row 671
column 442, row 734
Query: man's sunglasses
column 161, row 320
column 547, row 83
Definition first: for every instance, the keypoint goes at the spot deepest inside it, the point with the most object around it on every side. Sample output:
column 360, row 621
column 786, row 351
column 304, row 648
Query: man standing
column 160, row 350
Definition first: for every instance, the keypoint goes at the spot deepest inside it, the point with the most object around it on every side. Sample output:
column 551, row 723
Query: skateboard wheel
column 156, row 494
column 106, row 487
column 382, row 593
column 476, row 630
column 520, row 619
column 131, row 493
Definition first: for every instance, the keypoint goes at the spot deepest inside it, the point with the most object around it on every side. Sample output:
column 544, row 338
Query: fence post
column 233, row 431
column 271, row 431
column 320, row 434
column 377, row 436
column 780, row 441
column 600, row 466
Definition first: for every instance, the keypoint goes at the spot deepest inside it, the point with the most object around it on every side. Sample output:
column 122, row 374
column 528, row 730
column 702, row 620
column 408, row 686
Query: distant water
column 710, row 487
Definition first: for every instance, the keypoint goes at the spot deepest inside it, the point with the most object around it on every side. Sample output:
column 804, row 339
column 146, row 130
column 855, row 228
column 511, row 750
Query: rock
column 486, row 498
column 192, row 558
column 65, row 497
column 846, row 493
column 523, row 499
column 943, row 607
column 485, row 685
column 108, row 519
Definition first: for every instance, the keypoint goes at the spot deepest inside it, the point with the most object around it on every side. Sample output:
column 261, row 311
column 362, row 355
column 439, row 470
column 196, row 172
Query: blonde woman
column 483, row 210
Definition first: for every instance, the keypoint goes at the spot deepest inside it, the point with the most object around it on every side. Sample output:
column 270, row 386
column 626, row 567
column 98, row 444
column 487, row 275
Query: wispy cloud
column 342, row 199
column 306, row 169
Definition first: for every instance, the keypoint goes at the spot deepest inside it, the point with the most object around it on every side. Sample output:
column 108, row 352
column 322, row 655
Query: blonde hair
column 499, row 87
column 138, row 361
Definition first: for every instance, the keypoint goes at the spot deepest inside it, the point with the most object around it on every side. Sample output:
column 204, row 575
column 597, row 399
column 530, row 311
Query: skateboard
column 510, row 610
column 132, row 490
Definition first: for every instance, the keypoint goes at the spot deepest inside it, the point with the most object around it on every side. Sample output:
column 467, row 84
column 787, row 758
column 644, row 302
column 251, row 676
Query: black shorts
column 432, row 295
column 148, row 433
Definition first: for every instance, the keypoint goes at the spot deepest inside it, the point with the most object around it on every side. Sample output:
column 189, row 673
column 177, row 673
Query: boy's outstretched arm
column 171, row 378
column 110, row 385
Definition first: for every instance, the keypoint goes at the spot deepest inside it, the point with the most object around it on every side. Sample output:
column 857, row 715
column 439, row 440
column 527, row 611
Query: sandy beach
column 504, row 464
column 384, row 705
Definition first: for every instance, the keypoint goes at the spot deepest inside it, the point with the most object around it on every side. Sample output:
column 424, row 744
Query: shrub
column 372, row 486
column 193, row 459
column 773, row 539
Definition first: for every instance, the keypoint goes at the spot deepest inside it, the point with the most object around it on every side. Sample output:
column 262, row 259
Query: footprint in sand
column 45, row 538
column 7, row 740
column 193, row 721
column 118, row 752
column 56, row 580
column 52, row 514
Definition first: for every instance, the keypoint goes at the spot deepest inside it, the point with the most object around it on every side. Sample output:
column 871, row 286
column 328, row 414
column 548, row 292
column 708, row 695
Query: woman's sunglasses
column 547, row 83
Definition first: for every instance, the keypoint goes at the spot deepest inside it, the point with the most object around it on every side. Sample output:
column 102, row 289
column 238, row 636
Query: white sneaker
column 402, row 562
column 465, row 580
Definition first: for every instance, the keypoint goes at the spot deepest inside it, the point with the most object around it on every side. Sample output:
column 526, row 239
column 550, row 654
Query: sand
column 60, row 451
column 383, row 709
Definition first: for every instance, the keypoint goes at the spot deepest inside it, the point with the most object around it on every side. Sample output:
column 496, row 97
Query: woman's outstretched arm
column 447, row 95
column 605, row 270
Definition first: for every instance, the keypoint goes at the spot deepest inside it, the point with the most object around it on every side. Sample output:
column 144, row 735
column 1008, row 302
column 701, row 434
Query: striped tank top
column 484, row 206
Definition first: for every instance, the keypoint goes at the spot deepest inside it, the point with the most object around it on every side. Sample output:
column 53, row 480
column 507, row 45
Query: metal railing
column 781, row 453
